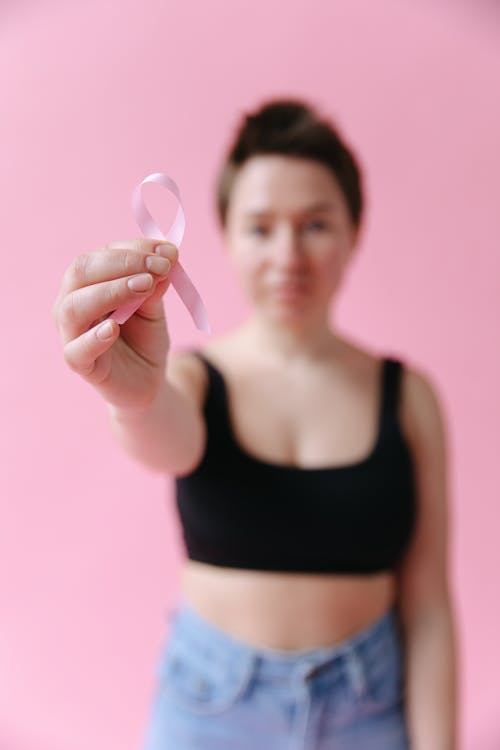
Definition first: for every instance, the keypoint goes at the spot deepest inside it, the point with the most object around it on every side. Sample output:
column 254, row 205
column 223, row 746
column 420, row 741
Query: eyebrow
column 313, row 207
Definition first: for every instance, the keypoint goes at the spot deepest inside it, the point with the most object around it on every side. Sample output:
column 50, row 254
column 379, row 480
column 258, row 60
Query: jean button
column 306, row 670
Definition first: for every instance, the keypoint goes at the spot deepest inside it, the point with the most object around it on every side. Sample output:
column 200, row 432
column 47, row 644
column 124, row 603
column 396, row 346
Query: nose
column 287, row 248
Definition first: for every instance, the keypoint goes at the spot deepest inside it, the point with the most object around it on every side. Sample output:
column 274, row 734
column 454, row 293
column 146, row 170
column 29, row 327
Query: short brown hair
column 291, row 127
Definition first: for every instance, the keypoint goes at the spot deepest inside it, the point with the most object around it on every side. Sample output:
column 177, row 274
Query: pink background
column 94, row 96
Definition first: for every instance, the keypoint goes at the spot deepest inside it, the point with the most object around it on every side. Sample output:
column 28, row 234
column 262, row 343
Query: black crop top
column 240, row 511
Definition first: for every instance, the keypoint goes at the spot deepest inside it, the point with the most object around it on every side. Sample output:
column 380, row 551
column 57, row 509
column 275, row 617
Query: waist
column 196, row 637
column 286, row 611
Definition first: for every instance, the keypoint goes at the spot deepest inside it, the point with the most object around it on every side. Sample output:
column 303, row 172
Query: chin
column 290, row 314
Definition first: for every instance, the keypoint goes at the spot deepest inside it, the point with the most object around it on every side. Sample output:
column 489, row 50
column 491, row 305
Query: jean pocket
column 384, row 677
column 203, row 683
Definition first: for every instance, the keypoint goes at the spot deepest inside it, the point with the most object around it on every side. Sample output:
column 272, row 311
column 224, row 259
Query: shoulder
column 188, row 374
column 420, row 402
column 422, row 410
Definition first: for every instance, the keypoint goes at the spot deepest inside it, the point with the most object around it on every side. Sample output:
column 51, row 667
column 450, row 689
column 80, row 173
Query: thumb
column 152, row 307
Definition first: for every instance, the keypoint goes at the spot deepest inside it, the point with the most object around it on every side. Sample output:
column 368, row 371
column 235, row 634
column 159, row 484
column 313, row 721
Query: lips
column 289, row 289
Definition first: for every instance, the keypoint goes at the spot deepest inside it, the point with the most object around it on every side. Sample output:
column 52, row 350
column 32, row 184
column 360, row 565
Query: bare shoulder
column 422, row 409
column 187, row 373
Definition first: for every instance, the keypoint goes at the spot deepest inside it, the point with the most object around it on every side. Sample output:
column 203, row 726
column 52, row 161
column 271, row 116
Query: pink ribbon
column 177, row 275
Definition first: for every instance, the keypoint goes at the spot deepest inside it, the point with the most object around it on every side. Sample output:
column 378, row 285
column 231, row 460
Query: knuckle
column 74, row 357
column 130, row 263
column 74, row 276
column 112, row 295
column 78, row 268
column 69, row 358
column 144, row 245
column 68, row 308
column 129, row 256
column 106, row 248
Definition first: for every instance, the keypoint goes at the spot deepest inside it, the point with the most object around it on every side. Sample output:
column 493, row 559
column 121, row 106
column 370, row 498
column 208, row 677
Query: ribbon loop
column 177, row 275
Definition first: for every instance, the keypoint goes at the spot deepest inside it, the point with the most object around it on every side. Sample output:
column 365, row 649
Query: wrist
column 130, row 413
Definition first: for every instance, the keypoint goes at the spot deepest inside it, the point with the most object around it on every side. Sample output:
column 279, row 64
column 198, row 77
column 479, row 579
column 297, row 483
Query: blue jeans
column 215, row 692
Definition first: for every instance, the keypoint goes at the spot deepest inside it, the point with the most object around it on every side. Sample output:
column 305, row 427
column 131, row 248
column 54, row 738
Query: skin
column 313, row 383
column 300, row 394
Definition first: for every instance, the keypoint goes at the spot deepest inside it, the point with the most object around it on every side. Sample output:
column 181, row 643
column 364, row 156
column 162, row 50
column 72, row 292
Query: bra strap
column 391, row 390
column 216, row 396
column 216, row 387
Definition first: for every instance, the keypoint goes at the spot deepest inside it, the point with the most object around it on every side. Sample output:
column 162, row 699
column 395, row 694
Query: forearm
column 165, row 436
column 431, row 680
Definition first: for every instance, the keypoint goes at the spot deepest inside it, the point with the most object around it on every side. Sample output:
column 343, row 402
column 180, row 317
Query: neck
column 282, row 342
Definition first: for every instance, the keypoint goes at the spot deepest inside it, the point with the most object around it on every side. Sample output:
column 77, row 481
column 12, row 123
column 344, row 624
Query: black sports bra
column 240, row 511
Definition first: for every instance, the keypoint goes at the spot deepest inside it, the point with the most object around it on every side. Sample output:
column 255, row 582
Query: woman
column 311, row 473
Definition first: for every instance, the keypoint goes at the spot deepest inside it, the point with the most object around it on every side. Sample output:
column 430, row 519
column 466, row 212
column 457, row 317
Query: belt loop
column 356, row 671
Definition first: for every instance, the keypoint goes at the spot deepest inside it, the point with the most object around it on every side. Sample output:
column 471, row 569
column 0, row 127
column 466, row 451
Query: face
column 289, row 235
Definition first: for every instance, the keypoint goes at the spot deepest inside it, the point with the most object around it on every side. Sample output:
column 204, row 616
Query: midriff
column 286, row 611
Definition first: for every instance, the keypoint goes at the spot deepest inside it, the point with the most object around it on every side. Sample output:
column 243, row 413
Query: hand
column 126, row 364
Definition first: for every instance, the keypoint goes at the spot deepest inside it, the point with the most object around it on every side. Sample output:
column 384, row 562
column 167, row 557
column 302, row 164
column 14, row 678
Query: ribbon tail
column 189, row 295
column 186, row 291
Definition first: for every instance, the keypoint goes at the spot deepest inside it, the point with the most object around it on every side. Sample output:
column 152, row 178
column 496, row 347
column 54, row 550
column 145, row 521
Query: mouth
column 290, row 290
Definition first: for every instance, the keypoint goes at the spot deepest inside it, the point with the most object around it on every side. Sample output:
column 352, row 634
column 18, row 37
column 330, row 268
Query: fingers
column 118, row 259
column 82, row 308
column 152, row 308
column 97, row 283
column 82, row 352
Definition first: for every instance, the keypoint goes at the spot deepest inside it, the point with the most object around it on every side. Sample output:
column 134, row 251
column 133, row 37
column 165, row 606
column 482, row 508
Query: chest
column 286, row 482
column 321, row 420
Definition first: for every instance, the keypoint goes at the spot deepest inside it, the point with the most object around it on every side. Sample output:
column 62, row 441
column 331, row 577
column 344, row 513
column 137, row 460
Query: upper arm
column 187, row 374
column 423, row 574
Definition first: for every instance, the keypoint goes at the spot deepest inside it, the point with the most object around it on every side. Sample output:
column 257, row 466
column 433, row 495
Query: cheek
column 329, row 262
column 248, row 269
column 246, row 263
column 329, row 269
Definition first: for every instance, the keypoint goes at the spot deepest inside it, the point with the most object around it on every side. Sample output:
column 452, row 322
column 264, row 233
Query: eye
column 317, row 224
column 257, row 229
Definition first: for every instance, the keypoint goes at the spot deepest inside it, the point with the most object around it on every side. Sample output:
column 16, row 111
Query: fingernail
column 140, row 283
column 158, row 265
column 105, row 331
column 164, row 250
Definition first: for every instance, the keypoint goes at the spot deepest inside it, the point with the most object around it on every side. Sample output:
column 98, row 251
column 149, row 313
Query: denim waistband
column 193, row 629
